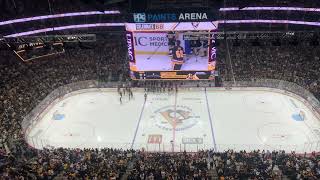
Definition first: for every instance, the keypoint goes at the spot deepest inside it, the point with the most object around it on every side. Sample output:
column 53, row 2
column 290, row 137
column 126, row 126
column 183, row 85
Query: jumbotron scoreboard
column 171, row 46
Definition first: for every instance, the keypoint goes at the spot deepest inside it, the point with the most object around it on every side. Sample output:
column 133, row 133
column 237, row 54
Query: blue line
column 209, row 113
column 135, row 133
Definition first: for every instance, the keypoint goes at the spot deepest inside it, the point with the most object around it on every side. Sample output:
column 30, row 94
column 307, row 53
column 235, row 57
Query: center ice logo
column 179, row 117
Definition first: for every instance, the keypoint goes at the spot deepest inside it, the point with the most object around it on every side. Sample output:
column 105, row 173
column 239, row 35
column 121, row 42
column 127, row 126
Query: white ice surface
column 223, row 119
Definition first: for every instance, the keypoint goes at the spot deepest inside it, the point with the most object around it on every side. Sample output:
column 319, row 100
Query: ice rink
column 188, row 120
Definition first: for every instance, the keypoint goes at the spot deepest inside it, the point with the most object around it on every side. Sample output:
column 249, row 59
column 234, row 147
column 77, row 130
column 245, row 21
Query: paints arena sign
column 170, row 17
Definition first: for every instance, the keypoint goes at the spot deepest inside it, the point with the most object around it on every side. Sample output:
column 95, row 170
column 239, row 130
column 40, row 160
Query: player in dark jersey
column 177, row 56
column 195, row 46
column 171, row 41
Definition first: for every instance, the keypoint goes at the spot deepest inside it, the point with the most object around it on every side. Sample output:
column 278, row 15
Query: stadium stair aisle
column 129, row 168
column 212, row 172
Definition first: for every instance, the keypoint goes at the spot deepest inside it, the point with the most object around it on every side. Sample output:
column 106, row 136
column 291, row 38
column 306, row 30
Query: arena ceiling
column 18, row 18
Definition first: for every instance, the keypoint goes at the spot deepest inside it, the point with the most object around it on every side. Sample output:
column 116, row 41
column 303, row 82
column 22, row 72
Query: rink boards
column 193, row 119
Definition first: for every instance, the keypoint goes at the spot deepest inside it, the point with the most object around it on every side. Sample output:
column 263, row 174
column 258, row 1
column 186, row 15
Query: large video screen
column 171, row 50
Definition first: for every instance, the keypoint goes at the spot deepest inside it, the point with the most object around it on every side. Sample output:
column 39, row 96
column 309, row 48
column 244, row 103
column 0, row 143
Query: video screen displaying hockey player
column 166, row 51
column 169, row 51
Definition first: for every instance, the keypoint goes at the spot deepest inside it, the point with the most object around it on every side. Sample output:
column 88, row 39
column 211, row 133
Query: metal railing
column 41, row 143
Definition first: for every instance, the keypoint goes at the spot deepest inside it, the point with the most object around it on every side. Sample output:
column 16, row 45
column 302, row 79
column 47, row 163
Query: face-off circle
column 276, row 134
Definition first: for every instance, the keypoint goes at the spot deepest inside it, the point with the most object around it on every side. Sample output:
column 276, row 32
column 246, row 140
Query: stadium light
column 35, row 18
column 78, row 26
column 52, row 38
column 270, row 9
column 267, row 21
column 88, row 13
column 254, row 21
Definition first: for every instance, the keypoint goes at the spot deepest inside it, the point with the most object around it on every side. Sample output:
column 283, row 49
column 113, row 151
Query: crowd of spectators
column 297, row 63
column 24, row 85
column 26, row 163
column 266, row 165
column 170, row 166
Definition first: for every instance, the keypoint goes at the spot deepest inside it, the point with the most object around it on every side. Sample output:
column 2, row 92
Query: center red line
column 174, row 123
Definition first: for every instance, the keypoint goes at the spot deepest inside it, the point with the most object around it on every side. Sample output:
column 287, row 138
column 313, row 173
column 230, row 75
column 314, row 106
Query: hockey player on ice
column 177, row 56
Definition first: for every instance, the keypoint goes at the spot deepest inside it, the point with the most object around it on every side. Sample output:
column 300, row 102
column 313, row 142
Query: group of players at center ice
column 149, row 87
